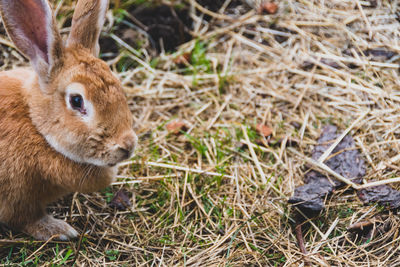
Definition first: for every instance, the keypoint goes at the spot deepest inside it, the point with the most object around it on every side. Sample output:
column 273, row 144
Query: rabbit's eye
column 76, row 102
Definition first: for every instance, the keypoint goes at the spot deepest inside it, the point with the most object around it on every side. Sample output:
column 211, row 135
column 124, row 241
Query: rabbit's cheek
column 63, row 148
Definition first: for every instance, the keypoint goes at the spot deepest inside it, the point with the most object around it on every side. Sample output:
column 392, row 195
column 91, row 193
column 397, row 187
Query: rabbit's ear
column 87, row 22
column 31, row 26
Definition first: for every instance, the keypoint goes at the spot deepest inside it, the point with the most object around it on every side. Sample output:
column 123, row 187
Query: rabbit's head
column 75, row 101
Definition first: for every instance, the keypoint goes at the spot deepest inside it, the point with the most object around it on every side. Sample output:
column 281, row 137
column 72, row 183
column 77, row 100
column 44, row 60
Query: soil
column 157, row 28
column 168, row 27
column 215, row 5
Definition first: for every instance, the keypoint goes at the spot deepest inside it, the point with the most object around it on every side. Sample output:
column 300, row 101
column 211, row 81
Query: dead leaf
column 268, row 7
column 175, row 127
column 183, row 59
column 346, row 161
column 263, row 130
column 360, row 226
column 370, row 228
column 120, row 200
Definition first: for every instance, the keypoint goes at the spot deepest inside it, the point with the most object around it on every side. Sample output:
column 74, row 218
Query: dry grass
column 217, row 194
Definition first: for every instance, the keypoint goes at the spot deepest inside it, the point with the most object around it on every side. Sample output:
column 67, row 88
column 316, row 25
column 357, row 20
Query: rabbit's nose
column 128, row 144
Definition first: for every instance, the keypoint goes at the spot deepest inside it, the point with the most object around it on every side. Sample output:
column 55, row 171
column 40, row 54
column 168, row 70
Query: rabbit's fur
column 49, row 144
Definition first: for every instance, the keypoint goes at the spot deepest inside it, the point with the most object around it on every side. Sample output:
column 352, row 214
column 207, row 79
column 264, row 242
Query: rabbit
column 64, row 122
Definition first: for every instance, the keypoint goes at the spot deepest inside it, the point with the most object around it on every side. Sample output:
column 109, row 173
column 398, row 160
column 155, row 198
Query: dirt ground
column 229, row 100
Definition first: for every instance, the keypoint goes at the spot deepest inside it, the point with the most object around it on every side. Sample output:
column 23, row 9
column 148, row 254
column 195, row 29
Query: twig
column 382, row 182
column 365, row 18
column 180, row 168
column 300, row 239
column 228, row 98
column 325, row 168
column 41, row 247
column 80, row 239
column 254, row 156
column 326, row 235
column 337, row 141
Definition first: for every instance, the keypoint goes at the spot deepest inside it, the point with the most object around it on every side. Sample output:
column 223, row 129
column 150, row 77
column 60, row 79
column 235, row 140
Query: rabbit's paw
column 48, row 226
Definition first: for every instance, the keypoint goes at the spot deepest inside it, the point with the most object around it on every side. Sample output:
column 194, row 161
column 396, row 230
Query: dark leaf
column 382, row 194
column 120, row 200
column 295, row 124
column 375, row 54
column 379, row 54
column 278, row 37
column 311, row 196
column 347, row 162
column 331, row 63
column 370, row 4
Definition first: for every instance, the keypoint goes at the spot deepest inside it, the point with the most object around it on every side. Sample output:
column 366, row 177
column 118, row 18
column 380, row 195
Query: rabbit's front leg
column 47, row 227
column 31, row 218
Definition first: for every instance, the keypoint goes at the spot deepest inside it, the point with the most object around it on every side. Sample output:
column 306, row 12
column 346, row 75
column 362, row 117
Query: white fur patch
column 78, row 88
column 26, row 75
column 96, row 162
column 59, row 148
column 29, row 80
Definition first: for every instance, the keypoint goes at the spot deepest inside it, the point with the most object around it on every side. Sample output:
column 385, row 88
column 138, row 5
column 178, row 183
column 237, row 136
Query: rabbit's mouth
column 117, row 156
column 121, row 151
column 109, row 158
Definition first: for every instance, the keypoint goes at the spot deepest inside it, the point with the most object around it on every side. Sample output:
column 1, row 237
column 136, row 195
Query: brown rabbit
column 65, row 123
